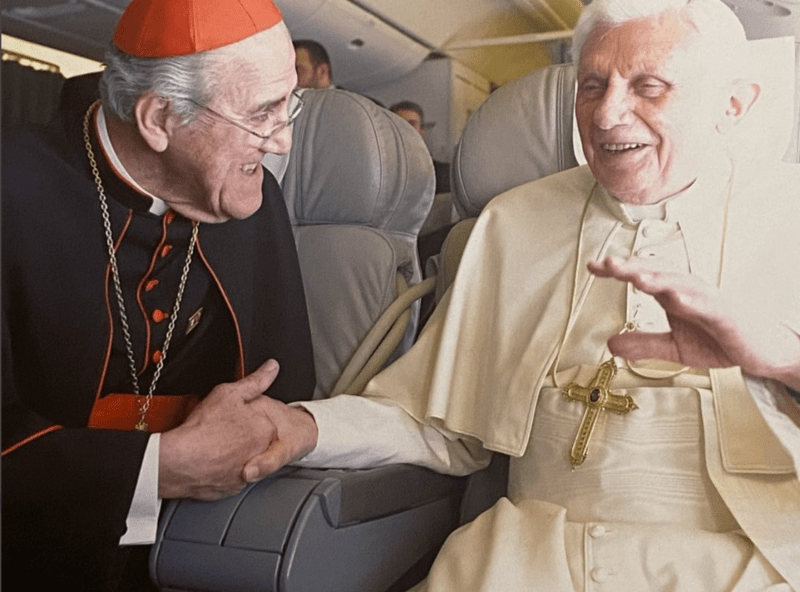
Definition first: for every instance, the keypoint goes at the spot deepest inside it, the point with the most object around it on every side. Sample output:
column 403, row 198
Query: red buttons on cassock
column 165, row 250
column 169, row 217
column 159, row 315
column 150, row 285
column 157, row 356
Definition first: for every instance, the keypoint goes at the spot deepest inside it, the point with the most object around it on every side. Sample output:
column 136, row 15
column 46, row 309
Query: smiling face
column 647, row 107
column 215, row 167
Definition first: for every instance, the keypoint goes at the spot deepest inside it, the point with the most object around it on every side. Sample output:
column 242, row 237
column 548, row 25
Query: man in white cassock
column 626, row 331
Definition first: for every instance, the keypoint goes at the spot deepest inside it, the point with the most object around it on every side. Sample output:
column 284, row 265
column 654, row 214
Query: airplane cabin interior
column 497, row 86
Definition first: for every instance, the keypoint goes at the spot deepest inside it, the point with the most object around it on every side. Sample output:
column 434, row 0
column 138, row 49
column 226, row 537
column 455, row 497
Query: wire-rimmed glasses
column 295, row 107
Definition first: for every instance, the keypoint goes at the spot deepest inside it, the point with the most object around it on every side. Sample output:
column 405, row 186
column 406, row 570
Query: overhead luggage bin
column 364, row 49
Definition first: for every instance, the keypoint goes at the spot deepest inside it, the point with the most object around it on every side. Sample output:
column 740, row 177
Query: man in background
column 313, row 65
column 413, row 114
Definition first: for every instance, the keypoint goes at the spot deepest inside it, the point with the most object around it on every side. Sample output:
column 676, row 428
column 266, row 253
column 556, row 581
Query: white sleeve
column 363, row 432
column 142, row 518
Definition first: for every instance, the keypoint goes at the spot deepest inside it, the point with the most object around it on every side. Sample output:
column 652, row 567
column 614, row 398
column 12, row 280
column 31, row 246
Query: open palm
column 707, row 331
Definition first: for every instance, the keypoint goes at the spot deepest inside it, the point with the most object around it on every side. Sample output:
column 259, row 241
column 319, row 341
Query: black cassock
column 67, row 488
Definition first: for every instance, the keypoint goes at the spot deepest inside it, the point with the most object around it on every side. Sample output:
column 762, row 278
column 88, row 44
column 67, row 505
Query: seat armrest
column 306, row 530
column 368, row 494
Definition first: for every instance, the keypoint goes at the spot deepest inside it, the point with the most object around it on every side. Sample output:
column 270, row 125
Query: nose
column 279, row 142
column 614, row 108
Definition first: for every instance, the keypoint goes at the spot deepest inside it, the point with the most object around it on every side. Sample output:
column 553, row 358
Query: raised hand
column 708, row 330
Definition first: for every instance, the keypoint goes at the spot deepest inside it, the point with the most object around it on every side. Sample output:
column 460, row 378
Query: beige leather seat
column 358, row 185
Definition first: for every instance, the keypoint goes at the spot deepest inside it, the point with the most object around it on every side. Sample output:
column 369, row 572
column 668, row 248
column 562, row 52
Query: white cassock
column 696, row 490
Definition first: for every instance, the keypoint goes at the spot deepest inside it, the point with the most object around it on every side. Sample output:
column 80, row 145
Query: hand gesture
column 707, row 329
column 205, row 457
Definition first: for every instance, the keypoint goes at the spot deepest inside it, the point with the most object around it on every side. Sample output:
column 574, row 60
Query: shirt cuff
column 142, row 520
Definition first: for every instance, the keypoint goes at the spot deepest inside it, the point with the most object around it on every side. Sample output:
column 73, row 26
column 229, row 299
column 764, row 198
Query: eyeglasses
column 295, row 107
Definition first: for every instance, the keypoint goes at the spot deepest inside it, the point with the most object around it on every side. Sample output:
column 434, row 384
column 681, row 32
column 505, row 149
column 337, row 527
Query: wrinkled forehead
column 654, row 44
column 669, row 44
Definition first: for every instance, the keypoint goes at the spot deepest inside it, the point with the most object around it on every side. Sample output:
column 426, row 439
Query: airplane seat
column 358, row 186
column 522, row 132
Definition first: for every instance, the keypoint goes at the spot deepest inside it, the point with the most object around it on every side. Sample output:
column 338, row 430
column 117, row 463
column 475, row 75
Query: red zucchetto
column 167, row 28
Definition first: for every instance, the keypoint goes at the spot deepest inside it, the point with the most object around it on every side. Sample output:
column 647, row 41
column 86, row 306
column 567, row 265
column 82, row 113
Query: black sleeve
column 289, row 332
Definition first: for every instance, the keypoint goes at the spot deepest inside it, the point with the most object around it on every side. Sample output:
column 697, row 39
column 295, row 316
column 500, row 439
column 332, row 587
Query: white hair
column 717, row 25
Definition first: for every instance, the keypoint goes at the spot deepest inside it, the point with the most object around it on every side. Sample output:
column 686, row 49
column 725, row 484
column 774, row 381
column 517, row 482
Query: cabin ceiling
column 374, row 41
column 427, row 27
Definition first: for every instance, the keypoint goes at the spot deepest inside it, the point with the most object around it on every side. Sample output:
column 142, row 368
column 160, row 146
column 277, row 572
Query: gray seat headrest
column 354, row 162
column 522, row 132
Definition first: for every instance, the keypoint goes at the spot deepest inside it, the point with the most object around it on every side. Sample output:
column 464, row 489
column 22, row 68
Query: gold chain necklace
column 144, row 405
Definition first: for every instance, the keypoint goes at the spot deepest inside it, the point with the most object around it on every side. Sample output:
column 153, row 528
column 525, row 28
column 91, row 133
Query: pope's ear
column 743, row 95
column 153, row 119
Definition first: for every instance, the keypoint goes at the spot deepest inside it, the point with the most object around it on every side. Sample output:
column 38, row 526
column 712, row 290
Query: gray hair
column 183, row 80
column 711, row 18
column 179, row 79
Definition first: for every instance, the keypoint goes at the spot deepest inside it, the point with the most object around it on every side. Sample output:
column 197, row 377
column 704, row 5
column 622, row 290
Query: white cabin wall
column 363, row 49
column 448, row 93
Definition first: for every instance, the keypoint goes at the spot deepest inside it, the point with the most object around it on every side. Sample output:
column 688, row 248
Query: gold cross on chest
column 597, row 398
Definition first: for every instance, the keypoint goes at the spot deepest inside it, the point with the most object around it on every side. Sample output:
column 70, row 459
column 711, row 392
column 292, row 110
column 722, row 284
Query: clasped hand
column 707, row 329
column 234, row 436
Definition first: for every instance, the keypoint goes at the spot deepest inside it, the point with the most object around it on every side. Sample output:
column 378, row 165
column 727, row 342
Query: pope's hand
column 205, row 457
column 707, row 329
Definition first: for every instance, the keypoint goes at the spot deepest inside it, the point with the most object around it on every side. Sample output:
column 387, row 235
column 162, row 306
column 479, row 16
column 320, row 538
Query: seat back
column 358, row 185
column 521, row 133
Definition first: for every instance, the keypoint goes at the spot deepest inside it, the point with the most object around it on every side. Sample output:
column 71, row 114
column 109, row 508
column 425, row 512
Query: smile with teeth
column 620, row 147
column 249, row 169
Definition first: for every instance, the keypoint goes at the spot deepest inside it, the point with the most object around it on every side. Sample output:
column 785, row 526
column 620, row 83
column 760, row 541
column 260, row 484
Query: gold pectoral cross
column 597, row 398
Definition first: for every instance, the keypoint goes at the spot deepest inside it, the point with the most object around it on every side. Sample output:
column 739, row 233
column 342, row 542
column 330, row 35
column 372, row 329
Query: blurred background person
column 413, row 114
column 313, row 65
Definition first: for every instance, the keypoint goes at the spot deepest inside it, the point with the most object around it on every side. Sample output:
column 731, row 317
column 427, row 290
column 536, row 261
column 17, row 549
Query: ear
column 742, row 96
column 325, row 70
column 153, row 119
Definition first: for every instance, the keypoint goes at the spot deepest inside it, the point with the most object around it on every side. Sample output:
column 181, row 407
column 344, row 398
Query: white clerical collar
column 158, row 206
column 700, row 211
